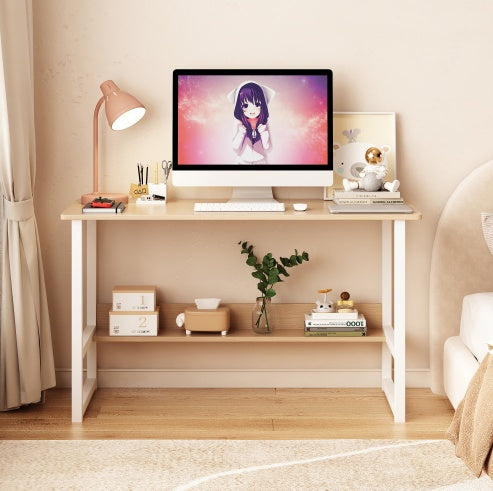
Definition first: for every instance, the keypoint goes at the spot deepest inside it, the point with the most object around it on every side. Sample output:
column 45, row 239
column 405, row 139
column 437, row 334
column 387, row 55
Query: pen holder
column 157, row 190
column 137, row 191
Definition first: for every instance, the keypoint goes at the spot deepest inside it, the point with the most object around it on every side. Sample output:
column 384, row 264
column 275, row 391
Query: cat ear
column 268, row 93
column 232, row 96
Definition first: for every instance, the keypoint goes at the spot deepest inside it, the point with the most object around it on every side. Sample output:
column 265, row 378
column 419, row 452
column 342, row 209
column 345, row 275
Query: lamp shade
column 122, row 109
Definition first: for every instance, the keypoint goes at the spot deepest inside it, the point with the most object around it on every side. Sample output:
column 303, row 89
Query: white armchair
column 463, row 354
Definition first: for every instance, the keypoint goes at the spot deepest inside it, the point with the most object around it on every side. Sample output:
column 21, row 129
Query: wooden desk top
column 183, row 210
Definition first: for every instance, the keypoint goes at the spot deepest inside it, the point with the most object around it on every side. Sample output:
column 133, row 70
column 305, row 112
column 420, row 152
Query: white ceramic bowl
column 207, row 303
column 300, row 206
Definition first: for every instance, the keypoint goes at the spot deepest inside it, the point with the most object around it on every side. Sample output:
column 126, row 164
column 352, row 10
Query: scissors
column 166, row 166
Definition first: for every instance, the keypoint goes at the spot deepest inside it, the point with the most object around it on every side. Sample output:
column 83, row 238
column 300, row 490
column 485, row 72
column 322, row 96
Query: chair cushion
column 476, row 325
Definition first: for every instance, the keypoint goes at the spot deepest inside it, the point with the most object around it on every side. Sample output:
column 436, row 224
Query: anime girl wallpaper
column 230, row 120
column 251, row 137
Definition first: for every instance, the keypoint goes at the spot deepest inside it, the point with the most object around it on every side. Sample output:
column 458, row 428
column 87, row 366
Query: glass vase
column 263, row 316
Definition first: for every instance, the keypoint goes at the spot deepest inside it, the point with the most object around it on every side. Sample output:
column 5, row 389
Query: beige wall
column 429, row 61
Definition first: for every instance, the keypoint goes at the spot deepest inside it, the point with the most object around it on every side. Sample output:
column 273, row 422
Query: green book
column 327, row 334
column 335, row 329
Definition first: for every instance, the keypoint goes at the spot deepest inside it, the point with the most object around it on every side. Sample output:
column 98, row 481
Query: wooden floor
column 231, row 414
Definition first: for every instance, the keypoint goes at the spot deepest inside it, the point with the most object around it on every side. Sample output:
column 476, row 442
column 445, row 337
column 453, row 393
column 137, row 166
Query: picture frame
column 372, row 128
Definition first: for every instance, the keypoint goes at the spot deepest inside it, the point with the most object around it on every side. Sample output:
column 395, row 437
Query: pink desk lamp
column 122, row 111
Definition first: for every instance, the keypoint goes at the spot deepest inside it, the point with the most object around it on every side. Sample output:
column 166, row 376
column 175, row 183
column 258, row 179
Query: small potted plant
column 268, row 272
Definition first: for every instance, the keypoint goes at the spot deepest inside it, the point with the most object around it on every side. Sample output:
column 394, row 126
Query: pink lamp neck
column 95, row 146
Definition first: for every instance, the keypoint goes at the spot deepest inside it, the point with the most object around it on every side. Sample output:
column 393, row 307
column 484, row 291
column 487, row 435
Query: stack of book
column 104, row 205
column 359, row 201
column 335, row 324
column 356, row 197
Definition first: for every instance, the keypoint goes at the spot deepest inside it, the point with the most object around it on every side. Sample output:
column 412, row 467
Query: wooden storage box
column 134, row 298
column 205, row 320
column 134, row 323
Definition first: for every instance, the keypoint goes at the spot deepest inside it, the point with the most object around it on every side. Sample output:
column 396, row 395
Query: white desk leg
column 387, row 261
column 400, row 321
column 77, row 320
column 91, row 296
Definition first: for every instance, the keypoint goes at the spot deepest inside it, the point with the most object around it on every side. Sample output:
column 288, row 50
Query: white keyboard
column 240, row 206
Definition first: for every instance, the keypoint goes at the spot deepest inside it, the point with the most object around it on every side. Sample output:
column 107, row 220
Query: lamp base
column 87, row 198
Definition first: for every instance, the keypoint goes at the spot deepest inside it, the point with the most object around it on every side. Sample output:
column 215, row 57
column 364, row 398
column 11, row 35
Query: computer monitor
column 252, row 128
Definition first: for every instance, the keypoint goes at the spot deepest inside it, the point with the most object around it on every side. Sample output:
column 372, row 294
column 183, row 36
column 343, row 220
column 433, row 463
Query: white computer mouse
column 300, row 206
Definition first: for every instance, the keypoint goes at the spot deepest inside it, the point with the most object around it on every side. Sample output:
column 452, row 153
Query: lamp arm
column 95, row 146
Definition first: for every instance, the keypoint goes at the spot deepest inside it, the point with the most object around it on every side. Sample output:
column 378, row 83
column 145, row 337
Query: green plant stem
column 263, row 311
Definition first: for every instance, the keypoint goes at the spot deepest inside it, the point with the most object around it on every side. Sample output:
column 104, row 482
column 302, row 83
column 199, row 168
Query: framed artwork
column 354, row 133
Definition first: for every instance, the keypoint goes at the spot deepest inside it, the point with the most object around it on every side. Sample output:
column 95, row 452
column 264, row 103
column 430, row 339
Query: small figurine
column 345, row 303
column 325, row 305
column 373, row 174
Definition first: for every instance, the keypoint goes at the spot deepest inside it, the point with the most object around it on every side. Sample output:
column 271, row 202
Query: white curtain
column 26, row 353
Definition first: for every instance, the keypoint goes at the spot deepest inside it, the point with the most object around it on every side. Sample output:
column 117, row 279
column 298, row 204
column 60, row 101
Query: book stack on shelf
column 358, row 201
column 351, row 323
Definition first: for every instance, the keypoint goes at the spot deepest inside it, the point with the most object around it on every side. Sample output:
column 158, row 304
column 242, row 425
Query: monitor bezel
column 253, row 167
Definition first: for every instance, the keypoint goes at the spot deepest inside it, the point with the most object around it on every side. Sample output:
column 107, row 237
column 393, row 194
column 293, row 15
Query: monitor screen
column 273, row 126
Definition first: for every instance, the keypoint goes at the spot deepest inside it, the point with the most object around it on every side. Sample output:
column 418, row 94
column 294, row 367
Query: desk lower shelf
column 290, row 317
column 374, row 335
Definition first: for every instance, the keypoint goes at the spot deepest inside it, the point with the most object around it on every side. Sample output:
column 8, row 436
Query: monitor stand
column 252, row 194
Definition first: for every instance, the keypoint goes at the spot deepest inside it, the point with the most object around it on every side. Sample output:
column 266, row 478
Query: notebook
column 370, row 208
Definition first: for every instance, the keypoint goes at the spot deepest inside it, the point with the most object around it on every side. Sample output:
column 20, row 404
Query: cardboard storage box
column 134, row 298
column 134, row 323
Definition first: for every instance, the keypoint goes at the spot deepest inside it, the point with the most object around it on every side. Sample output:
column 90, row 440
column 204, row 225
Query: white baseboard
column 246, row 378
